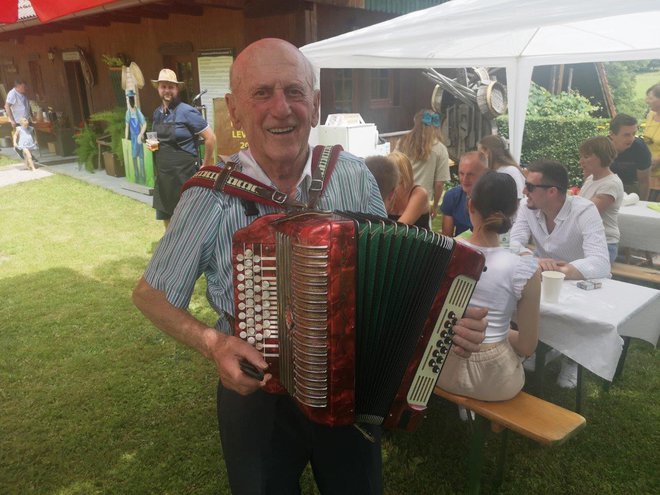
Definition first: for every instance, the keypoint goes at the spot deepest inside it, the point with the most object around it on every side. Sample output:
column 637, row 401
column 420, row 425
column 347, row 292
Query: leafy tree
column 542, row 103
column 621, row 78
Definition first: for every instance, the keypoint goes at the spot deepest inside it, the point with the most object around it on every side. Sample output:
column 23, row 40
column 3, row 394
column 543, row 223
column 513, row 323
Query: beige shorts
column 493, row 373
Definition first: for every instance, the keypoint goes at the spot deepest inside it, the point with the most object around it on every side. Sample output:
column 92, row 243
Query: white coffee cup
column 551, row 283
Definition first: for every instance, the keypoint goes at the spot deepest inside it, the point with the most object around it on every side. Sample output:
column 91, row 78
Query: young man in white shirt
column 567, row 232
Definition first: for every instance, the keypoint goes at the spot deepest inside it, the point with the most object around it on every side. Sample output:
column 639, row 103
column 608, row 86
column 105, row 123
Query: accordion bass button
column 240, row 267
column 259, row 337
column 242, row 325
column 251, row 340
column 239, row 257
column 248, row 263
column 241, row 316
column 257, row 258
column 249, row 253
column 243, row 335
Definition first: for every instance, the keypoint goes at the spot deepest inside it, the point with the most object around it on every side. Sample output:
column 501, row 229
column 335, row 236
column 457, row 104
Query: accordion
column 353, row 313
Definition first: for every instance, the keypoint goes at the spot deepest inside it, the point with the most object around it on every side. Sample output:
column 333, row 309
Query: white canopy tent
column 515, row 34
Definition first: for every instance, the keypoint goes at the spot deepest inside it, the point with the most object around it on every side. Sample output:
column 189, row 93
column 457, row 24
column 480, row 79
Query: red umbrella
column 46, row 10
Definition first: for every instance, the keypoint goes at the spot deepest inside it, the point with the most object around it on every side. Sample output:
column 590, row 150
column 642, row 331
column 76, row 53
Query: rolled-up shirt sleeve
column 186, row 248
column 596, row 261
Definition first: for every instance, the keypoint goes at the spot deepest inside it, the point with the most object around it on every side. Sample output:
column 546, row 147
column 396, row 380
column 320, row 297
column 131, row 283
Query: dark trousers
column 267, row 442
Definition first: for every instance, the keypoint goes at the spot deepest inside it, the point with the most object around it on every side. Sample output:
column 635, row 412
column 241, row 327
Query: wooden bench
column 546, row 423
column 637, row 273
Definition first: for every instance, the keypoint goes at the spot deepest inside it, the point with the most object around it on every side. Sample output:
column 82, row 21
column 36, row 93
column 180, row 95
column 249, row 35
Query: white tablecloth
column 639, row 227
column 587, row 325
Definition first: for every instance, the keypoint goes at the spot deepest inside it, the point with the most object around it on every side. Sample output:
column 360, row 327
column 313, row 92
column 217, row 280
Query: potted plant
column 86, row 147
column 115, row 63
column 114, row 121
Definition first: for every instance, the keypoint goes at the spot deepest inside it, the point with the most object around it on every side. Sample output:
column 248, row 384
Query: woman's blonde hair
column 405, row 168
column 417, row 144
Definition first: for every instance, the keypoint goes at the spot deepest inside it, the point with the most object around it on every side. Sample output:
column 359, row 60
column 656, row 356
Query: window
column 343, row 90
column 381, row 88
column 36, row 79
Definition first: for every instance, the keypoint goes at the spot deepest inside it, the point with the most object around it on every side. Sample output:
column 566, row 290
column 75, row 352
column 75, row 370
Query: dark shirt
column 454, row 204
column 189, row 123
column 628, row 162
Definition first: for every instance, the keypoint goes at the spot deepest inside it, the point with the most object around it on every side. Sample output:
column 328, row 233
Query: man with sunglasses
column 633, row 160
column 567, row 233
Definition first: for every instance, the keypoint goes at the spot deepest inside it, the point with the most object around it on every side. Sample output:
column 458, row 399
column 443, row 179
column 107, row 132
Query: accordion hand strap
column 226, row 179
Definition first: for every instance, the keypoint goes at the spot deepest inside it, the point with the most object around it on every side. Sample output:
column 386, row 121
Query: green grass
column 644, row 81
column 94, row 400
column 6, row 161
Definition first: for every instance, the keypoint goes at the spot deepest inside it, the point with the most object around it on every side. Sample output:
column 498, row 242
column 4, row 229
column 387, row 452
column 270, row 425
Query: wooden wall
column 218, row 28
column 301, row 23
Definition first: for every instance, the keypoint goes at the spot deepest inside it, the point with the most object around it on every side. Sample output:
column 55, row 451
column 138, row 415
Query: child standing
column 25, row 143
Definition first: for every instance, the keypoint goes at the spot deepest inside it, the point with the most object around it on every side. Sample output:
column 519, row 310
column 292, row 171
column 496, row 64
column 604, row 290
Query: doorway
column 77, row 90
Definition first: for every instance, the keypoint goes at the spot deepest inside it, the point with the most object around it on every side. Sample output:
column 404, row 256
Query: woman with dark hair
column 428, row 156
column 500, row 160
column 602, row 186
column 652, row 139
column 510, row 283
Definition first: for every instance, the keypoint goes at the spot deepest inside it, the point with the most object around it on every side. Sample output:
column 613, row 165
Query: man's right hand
column 227, row 352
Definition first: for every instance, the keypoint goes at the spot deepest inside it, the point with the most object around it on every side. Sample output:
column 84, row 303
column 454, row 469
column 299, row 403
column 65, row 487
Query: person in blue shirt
column 455, row 216
column 179, row 127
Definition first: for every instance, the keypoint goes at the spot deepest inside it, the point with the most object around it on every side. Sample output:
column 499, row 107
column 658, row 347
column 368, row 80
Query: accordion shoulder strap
column 228, row 180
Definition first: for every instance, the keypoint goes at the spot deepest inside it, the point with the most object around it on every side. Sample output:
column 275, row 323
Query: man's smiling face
column 275, row 103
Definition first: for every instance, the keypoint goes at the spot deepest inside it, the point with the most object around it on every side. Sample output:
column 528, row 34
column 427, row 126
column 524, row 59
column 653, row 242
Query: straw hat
column 166, row 75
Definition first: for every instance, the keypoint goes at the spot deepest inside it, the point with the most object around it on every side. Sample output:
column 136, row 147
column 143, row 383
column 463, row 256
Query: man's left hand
column 469, row 331
column 549, row 264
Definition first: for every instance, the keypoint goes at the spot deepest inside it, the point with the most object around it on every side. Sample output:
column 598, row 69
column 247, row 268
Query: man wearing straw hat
column 178, row 127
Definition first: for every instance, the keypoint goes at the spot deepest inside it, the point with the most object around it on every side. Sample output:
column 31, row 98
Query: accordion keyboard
column 256, row 285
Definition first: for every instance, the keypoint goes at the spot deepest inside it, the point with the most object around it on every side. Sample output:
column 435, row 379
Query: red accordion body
column 352, row 313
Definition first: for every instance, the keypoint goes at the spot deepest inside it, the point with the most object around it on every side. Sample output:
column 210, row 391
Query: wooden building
column 63, row 60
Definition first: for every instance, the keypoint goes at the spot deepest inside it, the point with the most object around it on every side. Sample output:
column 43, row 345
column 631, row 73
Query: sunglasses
column 530, row 187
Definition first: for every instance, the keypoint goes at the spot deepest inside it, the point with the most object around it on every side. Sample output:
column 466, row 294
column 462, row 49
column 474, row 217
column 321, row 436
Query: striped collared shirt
column 198, row 239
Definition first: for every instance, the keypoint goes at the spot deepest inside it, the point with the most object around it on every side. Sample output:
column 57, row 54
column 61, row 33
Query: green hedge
column 558, row 139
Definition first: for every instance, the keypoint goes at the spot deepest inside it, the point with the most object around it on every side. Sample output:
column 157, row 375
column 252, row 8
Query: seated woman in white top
column 500, row 160
column 602, row 186
column 510, row 283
